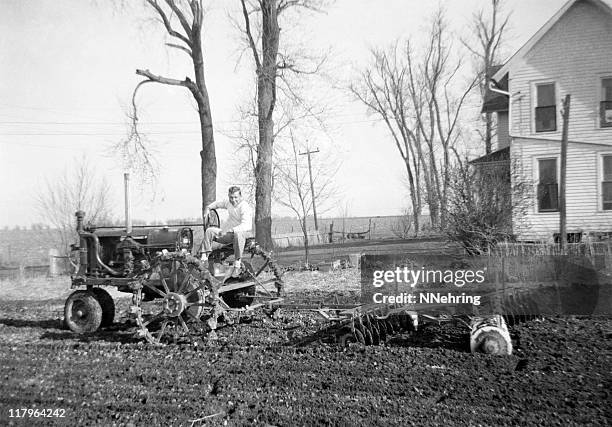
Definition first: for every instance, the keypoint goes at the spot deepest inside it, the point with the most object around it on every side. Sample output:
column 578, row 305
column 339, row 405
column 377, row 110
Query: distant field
column 27, row 247
column 381, row 227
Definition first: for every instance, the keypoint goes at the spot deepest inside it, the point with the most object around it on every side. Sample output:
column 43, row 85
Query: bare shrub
column 401, row 226
column 78, row 188
column 482, row 203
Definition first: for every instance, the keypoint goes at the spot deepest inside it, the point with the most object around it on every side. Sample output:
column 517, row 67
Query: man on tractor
column 234, row 230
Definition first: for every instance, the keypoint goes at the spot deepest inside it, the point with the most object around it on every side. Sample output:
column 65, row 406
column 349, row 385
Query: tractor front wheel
column 107, row 304
column 82, row 312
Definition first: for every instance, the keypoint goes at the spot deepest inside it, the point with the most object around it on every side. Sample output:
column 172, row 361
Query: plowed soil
column 255, row 374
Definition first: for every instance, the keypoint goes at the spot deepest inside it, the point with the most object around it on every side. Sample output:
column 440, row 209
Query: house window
column 605, row 107
column 548, row 190
column 606, row 183
column 546, row 108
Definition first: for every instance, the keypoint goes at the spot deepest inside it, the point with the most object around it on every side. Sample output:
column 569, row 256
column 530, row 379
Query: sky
column 67, row 70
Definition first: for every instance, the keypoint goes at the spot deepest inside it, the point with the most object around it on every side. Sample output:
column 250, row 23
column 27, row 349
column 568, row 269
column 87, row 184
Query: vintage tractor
column 174, row 296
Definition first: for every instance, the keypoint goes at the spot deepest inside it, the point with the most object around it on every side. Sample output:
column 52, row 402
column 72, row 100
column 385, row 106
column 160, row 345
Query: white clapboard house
column 571, row 54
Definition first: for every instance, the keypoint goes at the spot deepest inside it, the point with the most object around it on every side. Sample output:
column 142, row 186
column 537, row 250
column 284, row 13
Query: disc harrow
column 367, row 325
column 377, row 324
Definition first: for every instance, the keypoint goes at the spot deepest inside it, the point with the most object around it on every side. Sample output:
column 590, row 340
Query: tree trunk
column 263, row 188
column 434, row 203
column 306, row 243
column 266, row 98
column 445, row 185
column 488, row 133
column 435, row 195
column 207, row 154
column 413, row 196
column 433, row 209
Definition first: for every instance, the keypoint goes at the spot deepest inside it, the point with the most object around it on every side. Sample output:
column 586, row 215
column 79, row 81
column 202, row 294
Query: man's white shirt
column 240, row 217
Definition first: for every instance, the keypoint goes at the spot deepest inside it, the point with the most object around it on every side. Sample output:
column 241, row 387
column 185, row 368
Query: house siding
column 576, row 53
column 503, row 137
column 584, row 213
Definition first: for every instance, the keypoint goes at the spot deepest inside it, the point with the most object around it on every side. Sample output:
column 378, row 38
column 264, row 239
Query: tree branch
column 183, row 48
column 188, row 83
column 135, row 148
column 247, row 23
column 181, row 16
column 167, row 23
column 306, row 4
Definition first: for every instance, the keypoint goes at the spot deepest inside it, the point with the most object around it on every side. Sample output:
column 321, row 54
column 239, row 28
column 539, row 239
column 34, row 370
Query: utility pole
column 563, row 173
column 314, row 209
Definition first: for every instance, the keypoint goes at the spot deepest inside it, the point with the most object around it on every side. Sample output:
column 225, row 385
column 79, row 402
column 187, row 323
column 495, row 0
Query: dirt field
column 255, row 374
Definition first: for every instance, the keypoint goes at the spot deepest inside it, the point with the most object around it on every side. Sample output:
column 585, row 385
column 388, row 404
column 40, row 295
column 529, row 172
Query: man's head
column 235, row 195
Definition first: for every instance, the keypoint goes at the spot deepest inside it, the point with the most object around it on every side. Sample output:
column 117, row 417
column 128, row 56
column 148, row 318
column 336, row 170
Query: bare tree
column 445, row 95
column 489, row 32
column 293, row 188
column 419, row 96
column 78, row 188
column 270, row 63
column 182, row 21
column 246, row 137
column 383, row 88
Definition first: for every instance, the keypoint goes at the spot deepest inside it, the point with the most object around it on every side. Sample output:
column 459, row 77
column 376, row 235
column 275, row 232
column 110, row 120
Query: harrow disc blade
column 405, row 322
column 359, row 336
column 397, row 325
column 370, row 325
column 389, row 327
column 367, row 335
column 348, row 335
column 382, row 330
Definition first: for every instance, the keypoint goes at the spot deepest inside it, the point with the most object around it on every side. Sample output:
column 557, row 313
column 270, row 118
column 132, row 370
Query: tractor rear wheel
column 176, row 315
column 82, row 312
column 107, row 304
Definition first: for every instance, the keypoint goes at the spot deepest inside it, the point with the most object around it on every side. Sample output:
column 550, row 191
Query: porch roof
column 494, row 157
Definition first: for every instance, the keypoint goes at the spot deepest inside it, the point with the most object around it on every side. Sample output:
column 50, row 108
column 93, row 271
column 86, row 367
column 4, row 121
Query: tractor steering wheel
column 212, row 220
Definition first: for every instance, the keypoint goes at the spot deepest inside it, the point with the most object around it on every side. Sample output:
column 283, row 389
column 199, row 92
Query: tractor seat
column 229, row 246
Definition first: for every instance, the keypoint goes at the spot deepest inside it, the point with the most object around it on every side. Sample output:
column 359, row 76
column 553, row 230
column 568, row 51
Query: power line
column 166, row 132
column 195, row 123
column 97, row 133
column 191, row 122
column 90, row 123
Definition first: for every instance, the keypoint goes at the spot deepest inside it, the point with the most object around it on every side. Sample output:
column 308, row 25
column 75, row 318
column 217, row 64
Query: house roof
column 520, row 54
column 494, row 157
column 495, row 101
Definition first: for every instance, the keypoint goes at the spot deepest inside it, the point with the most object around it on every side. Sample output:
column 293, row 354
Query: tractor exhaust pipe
column 128, row 213
column 79, row 220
